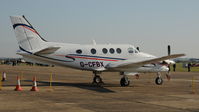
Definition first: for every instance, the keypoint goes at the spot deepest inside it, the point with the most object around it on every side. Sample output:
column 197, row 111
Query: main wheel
column 159, row 81
column 124, row 81
column 97, row 79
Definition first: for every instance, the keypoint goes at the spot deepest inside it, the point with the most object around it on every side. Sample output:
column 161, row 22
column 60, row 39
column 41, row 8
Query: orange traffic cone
column 4, row 76
column 34, row 86
column 18, row 86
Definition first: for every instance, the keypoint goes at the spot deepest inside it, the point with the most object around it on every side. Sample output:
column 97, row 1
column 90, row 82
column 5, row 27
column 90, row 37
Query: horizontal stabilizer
column 48, row 50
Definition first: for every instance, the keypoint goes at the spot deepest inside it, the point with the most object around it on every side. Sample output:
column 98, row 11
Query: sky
column 149, row 24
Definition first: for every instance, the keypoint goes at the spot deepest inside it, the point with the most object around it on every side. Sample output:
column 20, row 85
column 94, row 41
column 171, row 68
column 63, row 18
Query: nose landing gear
column 159, row 80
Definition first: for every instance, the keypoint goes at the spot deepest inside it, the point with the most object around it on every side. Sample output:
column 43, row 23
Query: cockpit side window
column 136, row 51
column 130, row 50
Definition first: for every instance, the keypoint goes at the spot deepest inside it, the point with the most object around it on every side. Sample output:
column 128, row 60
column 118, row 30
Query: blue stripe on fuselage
column 97, row 57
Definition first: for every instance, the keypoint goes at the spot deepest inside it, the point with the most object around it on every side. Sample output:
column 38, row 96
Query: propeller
column 168, row 75
column 138, row 48
column 169, row 53
column 169, row 50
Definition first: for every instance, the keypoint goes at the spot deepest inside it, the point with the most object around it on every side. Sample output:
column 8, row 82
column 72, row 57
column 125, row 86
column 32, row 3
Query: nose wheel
column 124, row 81
column 159, row 80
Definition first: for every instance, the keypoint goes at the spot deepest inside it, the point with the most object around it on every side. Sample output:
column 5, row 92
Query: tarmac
column 72, row 91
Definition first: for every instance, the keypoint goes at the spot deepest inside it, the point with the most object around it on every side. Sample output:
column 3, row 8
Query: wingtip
column 182, row 54
column 179, row 55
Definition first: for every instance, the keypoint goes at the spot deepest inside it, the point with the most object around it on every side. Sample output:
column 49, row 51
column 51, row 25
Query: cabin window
column 93, row 51
column 130, row 50
column 79, row 51
column 118, row 50
column 104, row 50
column 111, row 50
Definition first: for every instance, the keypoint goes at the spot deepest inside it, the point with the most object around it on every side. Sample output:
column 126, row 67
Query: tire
column 159, row 81
column 97, row 79
column 124, row 81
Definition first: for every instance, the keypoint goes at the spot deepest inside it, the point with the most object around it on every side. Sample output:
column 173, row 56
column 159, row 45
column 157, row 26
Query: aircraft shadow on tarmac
column 87, row 86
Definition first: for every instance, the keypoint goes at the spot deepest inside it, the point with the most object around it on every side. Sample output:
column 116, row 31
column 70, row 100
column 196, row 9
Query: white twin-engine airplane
column 125, row 59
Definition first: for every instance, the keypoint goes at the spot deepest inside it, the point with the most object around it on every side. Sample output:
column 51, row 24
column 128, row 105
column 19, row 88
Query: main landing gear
column 159, row 80
column 97, row 79
column 124, row 81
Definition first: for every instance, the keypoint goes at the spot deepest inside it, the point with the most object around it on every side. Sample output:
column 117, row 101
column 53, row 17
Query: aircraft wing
column 130, row 64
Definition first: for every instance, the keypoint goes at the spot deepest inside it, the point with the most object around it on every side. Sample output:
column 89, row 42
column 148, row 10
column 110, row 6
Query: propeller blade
column 169, row 50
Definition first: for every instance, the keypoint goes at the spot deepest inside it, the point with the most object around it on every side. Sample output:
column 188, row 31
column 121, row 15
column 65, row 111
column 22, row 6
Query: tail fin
column 28, row 38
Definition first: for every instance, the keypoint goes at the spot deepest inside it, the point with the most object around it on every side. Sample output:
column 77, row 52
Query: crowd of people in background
column 189, row 65
column 18, row 61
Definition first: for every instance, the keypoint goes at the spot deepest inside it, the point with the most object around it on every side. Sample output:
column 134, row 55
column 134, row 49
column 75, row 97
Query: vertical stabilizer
column 28, row 38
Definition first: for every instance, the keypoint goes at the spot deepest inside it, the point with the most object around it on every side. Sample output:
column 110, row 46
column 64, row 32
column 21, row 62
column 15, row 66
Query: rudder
column 28, row 38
